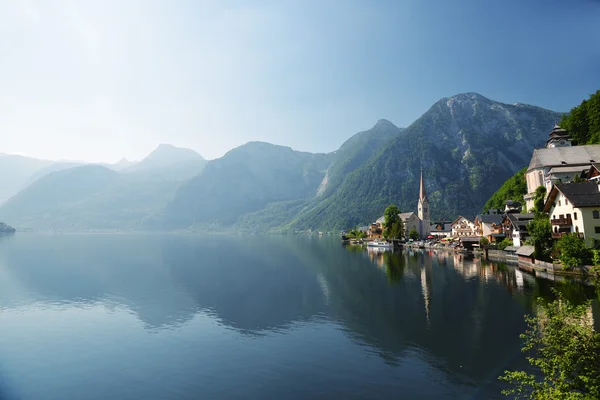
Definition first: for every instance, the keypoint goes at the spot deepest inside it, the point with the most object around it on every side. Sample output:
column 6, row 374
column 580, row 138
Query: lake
column 259, row 317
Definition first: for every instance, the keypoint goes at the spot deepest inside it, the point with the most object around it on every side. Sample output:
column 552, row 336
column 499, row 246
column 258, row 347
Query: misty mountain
column 89, row 197
column 169, row 162
column 15, row 171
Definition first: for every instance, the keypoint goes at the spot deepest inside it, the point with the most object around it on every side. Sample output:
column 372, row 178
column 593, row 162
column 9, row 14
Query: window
column 596, row 214
column 561, row 216
column 575, row 216
column 554, row 217
column 559, row 203
column 597, row 229
column 577, row 229
column 568, row 216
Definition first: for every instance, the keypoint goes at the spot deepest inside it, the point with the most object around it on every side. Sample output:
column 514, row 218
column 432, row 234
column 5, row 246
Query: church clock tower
column 423, row 210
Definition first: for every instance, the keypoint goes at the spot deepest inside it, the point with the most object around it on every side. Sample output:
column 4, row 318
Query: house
column 512, row 206
column 574, row 208
column 440, row 230
column 490, row 227
column 525, row 254
column 376, row 229
column 515, row 227
column 558, row 162
column 463, row 227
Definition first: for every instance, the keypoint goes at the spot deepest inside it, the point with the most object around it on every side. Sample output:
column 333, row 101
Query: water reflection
column 459, row 316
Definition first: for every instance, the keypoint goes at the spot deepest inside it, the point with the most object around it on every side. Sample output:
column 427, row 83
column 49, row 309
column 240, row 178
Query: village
column 570, row 177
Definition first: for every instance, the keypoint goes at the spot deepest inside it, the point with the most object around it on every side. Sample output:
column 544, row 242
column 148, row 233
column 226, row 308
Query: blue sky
column 101, row 80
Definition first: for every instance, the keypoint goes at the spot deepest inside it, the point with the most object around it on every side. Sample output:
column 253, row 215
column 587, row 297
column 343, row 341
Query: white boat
column 382, row 245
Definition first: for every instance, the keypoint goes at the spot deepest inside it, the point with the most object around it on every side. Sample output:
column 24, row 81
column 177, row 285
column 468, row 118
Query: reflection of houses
column 558, row 162
column 462, row 227
column 515, row 227
column 574, row 207
column 490, row 227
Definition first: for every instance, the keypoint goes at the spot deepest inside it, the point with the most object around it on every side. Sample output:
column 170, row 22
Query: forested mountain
column 467, row 146
column 582, row 123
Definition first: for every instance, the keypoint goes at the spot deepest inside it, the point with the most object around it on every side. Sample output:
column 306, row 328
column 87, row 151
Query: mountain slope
column 169, row 162
column 467, row 146
column 15, row 171
column 245, row 180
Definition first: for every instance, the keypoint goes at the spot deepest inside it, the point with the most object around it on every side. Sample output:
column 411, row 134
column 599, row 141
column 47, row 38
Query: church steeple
column 558, row 137
column 422, row 193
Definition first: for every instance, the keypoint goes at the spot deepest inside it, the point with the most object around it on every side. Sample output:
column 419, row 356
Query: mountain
column 245, row 180
column 89, row 197
column 467, row 145
column 169, row 162
column 16, row 170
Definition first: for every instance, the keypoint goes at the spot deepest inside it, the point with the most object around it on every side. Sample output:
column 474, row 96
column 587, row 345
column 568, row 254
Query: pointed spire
column 422, row 193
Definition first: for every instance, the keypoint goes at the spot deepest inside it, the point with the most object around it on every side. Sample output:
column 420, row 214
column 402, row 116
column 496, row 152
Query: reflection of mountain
column 250, row 283
column 165, row 280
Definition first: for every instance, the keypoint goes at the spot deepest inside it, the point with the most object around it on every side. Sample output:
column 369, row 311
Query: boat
column 382, row 245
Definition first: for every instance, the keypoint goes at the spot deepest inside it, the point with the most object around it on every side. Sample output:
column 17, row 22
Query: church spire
column 422, row 193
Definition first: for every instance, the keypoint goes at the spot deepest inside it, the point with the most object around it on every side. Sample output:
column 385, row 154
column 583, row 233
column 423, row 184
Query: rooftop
column 565, row 156
column 582, row 194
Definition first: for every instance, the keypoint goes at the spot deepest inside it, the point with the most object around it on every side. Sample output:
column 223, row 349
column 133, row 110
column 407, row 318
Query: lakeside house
column 441, row 230
column 515, row 227
column 489, row 226
column 463, row 227
column 574, row 208
column 559, row 161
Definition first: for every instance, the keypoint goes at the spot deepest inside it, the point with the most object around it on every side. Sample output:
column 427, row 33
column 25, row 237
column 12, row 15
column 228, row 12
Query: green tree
column 572, row 251
column 540, row 236
column 413, row 234
column 504, row 244
column 484, row 242
column 393, row 227
column 562, row 345
column 514, row 188
column 538, row 200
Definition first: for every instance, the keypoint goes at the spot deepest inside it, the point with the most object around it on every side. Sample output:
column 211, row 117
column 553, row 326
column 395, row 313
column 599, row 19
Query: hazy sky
column 101, row 80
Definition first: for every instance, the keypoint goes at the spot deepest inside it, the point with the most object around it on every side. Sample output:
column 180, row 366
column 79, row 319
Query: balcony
column 562, row 221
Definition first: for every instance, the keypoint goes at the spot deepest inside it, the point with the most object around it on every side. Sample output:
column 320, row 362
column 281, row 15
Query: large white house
column 462, row 227
column 574, row 208
column 558, row 162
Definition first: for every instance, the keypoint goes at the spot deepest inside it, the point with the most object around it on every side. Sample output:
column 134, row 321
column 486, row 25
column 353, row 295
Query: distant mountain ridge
column 466, row 144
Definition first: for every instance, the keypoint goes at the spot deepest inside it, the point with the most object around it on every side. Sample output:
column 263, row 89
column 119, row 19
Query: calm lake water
column 223, row 317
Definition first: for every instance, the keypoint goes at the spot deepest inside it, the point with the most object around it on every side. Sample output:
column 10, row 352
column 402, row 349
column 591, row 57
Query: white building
column 462, row 227
column 574, row 208
column 558, row 162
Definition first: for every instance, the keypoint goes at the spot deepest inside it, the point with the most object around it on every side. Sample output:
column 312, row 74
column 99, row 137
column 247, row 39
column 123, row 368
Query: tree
column 484, row 242
column 572, row 251
column 538, row 200
column 563, row 346
column 413, row 234
column 504, row 244
column 540, row 236
column 393, row 227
